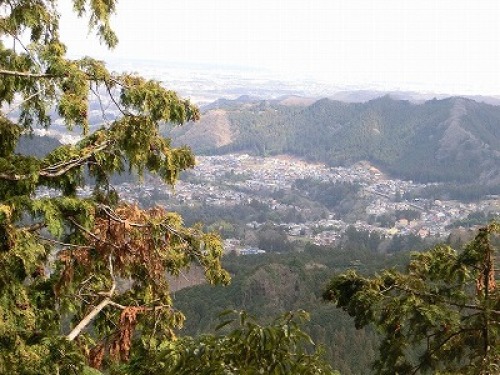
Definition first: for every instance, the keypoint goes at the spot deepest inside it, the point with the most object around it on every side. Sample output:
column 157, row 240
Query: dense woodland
column 266, row 285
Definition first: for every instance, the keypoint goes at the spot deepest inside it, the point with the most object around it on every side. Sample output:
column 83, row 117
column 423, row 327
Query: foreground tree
column 69, row 261
column 83, row 279
column 441, row 315
column 249, row 348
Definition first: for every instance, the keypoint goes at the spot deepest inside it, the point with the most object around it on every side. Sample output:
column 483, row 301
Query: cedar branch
column 58, row 169
column 443, row 300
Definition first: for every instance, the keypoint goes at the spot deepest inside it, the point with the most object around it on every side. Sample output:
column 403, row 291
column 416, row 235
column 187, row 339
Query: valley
column 269, row 180
column 281, row 191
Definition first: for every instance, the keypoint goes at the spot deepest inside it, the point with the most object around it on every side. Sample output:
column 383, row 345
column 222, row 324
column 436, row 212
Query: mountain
column 224, row 103
column 361, row 96
column 214, row 131
column 35, row 145
column 448, row 140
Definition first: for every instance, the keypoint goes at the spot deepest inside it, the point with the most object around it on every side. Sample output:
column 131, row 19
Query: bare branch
column 13, row 177
column 26, row 49
column 86, row 321
column 121, row 307
column 15, row 73
column 103, row 111
column 92, row 234
column 61, row 168
column 56, row 242
column 34, row 227
column 96, row 310
column 108, row 88
column 91, row 315
column 21, row 103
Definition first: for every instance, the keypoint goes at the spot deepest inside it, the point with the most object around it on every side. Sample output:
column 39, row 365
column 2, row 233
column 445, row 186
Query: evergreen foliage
column 441, row 315
column 78, row 277
column 249, row 348
column 83, row 281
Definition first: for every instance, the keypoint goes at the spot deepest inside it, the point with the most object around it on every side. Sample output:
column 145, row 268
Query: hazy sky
column 439, row 45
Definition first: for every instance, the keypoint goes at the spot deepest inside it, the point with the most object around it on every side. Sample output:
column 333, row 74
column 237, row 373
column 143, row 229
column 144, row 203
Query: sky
column 426, row 45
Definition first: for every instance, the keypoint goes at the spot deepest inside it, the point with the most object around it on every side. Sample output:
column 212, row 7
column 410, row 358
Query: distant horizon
column 156, row 68
column 445, row 46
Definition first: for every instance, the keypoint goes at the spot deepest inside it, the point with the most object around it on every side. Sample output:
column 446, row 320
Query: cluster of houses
column 238, row 179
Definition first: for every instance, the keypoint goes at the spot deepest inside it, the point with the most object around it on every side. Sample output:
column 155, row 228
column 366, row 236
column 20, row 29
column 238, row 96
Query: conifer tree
column 64, row 259
column 440, row 316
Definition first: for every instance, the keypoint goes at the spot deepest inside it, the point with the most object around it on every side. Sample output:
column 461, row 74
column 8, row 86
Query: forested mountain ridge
column 449, row 140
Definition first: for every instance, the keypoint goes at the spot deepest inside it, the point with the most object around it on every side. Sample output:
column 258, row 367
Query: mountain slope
column 450, row 140
column 214, row 132
column 35, row 145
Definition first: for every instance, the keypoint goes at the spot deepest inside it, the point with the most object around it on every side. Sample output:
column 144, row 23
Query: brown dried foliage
column 128, row 235
column 135, row 242
column 120, row 347
column 131, row 239
column 486, row 278
column 96, row 356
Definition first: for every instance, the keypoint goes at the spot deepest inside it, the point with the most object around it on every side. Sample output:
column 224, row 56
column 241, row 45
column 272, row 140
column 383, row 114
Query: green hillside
column 452, row 140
